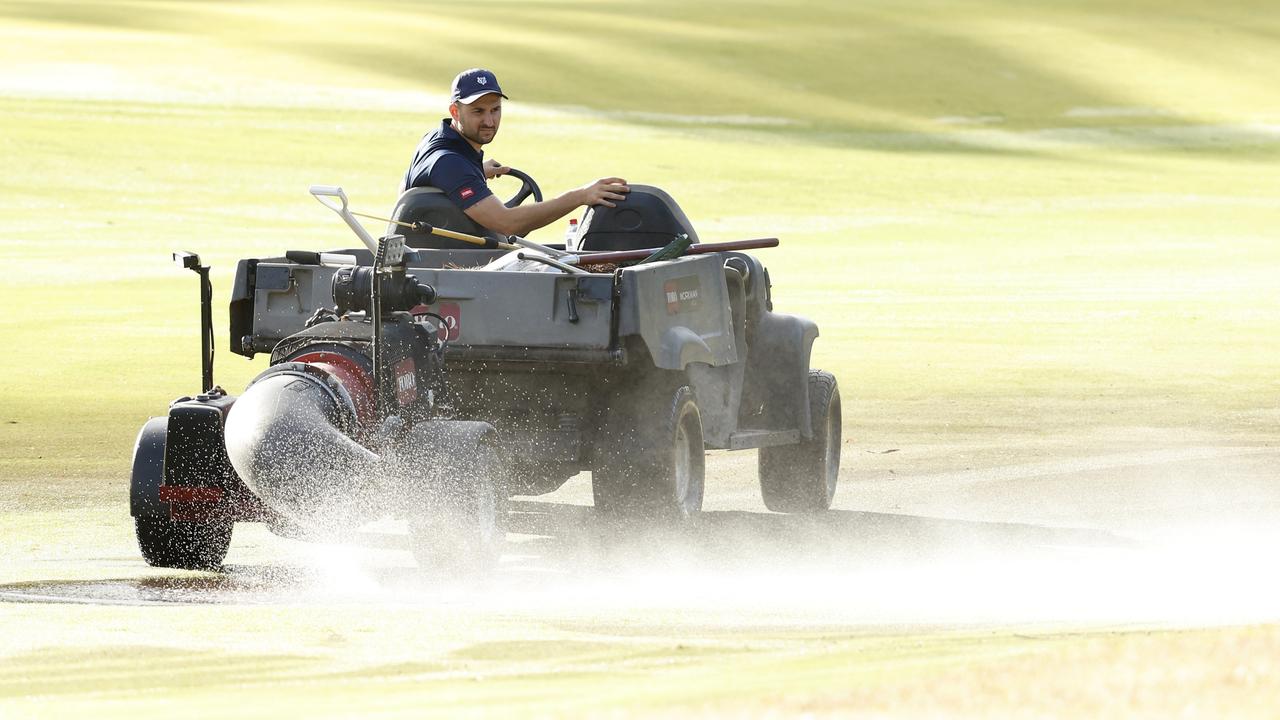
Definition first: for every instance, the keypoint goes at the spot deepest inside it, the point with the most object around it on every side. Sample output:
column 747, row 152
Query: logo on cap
column 473, row 83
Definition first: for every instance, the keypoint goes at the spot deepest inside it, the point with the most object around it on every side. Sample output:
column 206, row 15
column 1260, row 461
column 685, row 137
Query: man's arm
column 523, row 219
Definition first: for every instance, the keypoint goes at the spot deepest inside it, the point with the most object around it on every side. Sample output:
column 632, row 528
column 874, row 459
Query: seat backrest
column 432, row 206
column 647, row 218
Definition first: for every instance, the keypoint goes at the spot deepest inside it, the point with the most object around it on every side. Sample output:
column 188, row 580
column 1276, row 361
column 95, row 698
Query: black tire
column 802, row 478
column 652, row 465
column 165, row 542
column 462, row 529
column 184, row 545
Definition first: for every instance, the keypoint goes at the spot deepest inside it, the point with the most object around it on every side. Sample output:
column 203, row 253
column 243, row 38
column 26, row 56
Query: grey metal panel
column 680, row 309
column 278, row 313
column 677, row 328
column 719, row 389
column 516, row 309
column 524, row 309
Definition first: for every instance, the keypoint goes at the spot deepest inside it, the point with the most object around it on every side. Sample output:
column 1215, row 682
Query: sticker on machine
column 406, row 381
column 450, row 315
column 683, row 294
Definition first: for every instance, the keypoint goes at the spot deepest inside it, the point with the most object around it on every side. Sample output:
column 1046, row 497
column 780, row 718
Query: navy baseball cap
column 471, row 84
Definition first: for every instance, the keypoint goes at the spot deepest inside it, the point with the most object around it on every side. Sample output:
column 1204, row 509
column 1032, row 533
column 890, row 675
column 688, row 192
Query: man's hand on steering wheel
column 493, row 168
column 509, row 218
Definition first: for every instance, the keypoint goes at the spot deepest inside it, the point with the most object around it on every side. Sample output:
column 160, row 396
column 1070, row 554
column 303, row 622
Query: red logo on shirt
column 467, row 192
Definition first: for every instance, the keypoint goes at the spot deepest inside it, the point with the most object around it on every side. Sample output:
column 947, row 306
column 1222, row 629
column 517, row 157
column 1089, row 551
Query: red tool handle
column 621, row 256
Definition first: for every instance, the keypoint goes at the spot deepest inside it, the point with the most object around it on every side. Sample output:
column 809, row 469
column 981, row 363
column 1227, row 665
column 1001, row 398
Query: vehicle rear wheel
column 652, row 470
column 184, row 545
column 462, row 527
column 802, row 477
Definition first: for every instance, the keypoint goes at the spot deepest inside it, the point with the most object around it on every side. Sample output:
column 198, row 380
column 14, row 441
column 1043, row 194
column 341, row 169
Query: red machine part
column 353, row 377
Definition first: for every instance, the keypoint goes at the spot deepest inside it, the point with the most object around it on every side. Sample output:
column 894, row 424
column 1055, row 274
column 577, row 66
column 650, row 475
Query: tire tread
column 793, row 477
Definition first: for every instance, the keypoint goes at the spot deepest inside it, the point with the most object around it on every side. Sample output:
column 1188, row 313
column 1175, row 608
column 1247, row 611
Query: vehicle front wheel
column 184, row 545
column 166, row 542
column 802, row 477
column 461, row 529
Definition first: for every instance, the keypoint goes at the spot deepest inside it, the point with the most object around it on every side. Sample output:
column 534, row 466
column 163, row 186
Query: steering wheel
column 527, row 187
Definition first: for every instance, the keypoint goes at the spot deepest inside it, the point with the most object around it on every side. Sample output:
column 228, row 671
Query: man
column 452, row 160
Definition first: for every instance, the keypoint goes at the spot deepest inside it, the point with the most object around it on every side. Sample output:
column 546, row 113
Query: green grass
column 137, row 669
column 1099, row 244
column 1141, row 274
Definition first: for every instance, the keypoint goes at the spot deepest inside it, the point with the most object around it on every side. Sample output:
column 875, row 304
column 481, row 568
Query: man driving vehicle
column 451, row 159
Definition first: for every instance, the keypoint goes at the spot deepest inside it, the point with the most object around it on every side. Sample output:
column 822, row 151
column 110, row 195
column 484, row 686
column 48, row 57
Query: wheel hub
column 682, row 465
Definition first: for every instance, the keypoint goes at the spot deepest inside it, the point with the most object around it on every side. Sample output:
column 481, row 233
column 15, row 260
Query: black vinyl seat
column 647, row 218
column 432, row 206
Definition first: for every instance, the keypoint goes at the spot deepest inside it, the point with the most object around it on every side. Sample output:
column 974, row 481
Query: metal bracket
column 191, row 261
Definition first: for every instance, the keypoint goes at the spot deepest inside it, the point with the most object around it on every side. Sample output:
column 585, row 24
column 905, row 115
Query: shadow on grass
column 572, row 538
column 572, row 542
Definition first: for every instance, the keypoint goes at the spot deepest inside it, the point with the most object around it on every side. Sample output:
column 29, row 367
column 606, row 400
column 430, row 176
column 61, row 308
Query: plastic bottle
column 571, row 235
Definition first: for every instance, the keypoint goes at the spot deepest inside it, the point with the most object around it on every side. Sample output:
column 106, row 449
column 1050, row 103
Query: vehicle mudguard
column 199, row 481
column 181, row 470
column 778, row 371
column 681, row 346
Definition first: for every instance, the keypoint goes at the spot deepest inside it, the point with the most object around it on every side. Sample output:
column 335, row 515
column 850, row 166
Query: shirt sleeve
column 418, row 169
column 460, row 180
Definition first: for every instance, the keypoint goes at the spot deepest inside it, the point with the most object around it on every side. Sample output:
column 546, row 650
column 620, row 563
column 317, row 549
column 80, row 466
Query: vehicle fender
column 780, row 357
column 680, row 346
column 148, row 470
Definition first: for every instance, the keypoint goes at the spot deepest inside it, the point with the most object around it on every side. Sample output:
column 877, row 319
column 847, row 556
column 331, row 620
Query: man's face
column 478, row 121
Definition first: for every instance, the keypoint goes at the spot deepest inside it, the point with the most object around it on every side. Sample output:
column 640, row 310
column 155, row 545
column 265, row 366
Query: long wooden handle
column 452, row 235
column 473, row 239
column 620, row 256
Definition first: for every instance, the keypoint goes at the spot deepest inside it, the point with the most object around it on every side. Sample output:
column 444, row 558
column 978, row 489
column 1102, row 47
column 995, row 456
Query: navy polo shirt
column 445, row 160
